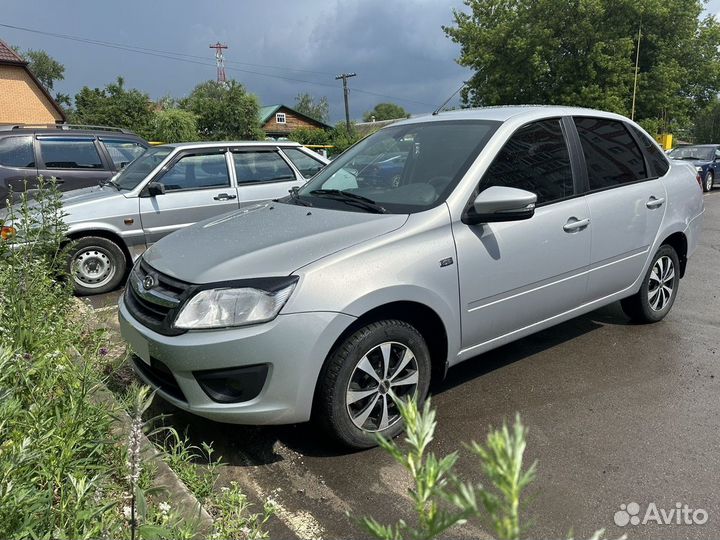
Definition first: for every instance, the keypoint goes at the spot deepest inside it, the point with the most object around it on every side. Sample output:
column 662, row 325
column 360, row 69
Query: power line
column 189, row 58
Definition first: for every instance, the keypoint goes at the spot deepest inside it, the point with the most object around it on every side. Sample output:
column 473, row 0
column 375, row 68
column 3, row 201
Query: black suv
column 77, row 156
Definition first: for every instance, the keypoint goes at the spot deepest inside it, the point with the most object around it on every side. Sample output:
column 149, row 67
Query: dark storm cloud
column 397, row 48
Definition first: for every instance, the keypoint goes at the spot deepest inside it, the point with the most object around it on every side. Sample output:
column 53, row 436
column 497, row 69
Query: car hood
column 72, row 200
column 263, row 240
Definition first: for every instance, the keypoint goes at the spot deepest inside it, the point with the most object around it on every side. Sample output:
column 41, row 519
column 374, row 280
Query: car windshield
column 138, row 169
column 400, row 169
column 697, row 153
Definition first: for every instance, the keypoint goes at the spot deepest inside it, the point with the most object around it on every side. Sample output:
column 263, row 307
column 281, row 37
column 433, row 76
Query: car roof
column 221, row 144
column 10, row 130
column 503, row 113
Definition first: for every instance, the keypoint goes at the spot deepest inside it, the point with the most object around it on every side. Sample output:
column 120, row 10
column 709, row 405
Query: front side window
column 307, row 165
column 254, row 167
column 401, row 169
column 137, row 171
column 611, row 155
column 200, row 171
column 123, row 152
column 535, row 159
column 280, row 118
column 58, row 153
column 17, row 152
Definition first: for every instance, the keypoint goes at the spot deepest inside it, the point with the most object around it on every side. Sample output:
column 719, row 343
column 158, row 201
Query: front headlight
column 698, row 169
column 219, row 308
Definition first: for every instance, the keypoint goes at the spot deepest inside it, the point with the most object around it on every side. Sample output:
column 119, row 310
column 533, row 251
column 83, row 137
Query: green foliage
column 185, row 458
column 114, row 106
column 341, row 138
column 233, row 517
column 44, row 67
column 174, row 125
column 583, row 53
column 385, row 111
column 707, row 124
column 306, row 135
column 225, row 111
column 305, row 103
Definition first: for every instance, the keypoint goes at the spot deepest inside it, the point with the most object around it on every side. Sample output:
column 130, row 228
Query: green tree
column 582, row 52
column 320, row 111
column 225, row 111
column 386, row 111
column 115, row 106
column 44, row 67
column 310, row 136
column 707, row 124
column 341, row 138
column 174, row 125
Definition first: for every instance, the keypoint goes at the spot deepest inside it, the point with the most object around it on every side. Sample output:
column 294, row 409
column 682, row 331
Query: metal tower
column 220, row 61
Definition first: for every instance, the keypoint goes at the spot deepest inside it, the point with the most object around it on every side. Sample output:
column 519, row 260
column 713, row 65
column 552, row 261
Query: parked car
column 77, row 156
column 167, row 188
column 329, row 301
column 705, row 158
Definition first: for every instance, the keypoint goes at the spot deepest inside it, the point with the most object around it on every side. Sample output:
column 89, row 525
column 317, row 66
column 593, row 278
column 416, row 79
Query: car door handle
column 224, row 197
column 574, row 224
column 655, row 203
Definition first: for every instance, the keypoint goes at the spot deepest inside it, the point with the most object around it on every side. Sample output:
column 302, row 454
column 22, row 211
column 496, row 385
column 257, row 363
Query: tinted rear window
column 70, row 154
column 657, row 160
column 17, row 152
column 611, row 154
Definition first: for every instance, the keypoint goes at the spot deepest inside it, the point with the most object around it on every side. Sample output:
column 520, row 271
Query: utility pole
column 637, row 67
column 346, row 91
column 220, row 61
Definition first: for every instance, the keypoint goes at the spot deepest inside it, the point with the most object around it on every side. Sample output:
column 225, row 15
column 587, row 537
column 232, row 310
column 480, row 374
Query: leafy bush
column 174, row 125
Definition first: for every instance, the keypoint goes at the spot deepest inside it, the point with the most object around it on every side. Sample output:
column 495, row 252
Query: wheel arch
column 102, row 233
column 678, row 241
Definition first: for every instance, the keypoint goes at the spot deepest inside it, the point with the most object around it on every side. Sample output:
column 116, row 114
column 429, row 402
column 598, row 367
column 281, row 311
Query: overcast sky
column 396, row 47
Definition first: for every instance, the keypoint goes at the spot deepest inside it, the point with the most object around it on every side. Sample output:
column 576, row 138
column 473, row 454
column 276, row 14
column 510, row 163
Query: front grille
column 156, row 306
column 161, row 376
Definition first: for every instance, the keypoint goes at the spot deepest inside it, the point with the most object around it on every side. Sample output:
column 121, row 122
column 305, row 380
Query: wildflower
column 127, row 512
column 27, row 356
column 164, row 508
column 134, row 451
column 103, row 351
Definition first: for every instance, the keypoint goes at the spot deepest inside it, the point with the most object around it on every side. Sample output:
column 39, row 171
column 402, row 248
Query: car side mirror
column 155, row 188
column 500, row 203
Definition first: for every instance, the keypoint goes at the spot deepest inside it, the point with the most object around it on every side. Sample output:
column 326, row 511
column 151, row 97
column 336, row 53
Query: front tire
column 708, row 183
column 659, row 288
column 354, row 402
column 96, row 265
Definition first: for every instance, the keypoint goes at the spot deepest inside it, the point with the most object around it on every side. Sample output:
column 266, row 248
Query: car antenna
column 440, row 108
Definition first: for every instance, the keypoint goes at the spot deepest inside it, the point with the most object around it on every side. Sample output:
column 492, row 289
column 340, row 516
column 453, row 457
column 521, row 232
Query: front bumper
column 294, row 345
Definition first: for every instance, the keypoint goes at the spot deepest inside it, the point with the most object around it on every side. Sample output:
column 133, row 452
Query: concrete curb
column 183, row 501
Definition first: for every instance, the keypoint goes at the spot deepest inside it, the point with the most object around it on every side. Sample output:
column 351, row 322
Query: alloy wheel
column 388, row 370
column 708, row 182
column 661, row 283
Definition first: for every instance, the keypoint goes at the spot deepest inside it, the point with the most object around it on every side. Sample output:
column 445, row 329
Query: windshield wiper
column 295, row 197
column 109, row 181
column 350, row 198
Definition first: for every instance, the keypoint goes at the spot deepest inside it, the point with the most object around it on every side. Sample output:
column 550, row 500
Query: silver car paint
column 507, row 279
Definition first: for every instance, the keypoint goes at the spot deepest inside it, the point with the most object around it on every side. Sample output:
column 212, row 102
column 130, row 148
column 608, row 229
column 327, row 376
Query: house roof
column 10, row 57
column 269, row 110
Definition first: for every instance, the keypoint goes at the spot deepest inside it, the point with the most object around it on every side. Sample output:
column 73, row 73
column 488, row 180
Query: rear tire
column 658, row 290
column 353, row 402
column 96, row 265
column 708, row 183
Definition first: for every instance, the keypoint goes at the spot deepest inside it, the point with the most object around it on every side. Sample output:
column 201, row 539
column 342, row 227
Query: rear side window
column 535, row 159
column 123, row 152
column 17, row 152
column 611, row 154
column 70, row 154
column 261, row 167
column 307, row 165
column 657, row 160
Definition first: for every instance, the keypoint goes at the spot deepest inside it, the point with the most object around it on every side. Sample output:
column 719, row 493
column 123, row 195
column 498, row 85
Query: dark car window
column 657, row 160
column 612, row 156
column 307, row 165
column 123, row 152
column 197, row 172
column 61, row 153
column 138, row 170
column 17, row 152
column 261, row 167
column 535, row 159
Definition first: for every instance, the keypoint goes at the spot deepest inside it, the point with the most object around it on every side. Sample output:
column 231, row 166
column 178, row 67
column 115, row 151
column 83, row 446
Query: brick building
column 23, row 99
column 279, row 121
